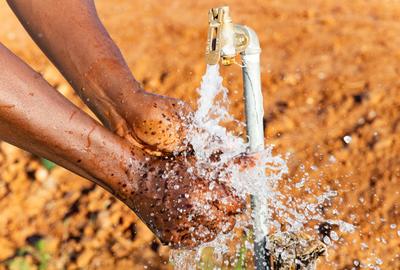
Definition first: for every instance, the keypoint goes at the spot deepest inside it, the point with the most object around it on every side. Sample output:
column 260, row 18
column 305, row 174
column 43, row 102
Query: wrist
column 108, row 86
column 111, row 76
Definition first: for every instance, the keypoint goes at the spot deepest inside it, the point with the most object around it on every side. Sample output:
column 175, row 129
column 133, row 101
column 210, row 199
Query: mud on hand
column 181, row 208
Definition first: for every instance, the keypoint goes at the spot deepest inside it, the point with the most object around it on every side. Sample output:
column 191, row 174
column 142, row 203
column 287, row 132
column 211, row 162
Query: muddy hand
column 158, row 123
column 96, row 69
column 182, row 209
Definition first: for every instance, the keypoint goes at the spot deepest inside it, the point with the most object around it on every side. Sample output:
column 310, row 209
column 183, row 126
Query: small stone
column 347, row 139
column 41, row 174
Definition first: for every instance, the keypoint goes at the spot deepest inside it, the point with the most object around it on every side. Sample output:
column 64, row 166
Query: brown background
column 329, row 69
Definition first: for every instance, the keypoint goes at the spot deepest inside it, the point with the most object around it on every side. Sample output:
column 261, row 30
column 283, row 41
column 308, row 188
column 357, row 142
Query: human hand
column 158, row 123
column 182, row 209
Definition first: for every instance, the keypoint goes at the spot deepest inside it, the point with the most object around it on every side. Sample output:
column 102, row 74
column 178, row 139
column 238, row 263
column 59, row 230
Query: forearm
column 35, row 117
column 169, row 199
column 72, row 36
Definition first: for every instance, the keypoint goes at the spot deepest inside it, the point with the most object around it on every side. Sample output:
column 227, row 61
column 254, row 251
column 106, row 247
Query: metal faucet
column 225, row 41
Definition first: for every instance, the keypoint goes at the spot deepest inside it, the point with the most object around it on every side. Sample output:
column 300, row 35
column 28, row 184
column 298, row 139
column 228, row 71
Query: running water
column 209, row 137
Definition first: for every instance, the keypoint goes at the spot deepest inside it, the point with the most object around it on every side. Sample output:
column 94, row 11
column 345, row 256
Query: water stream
column 208, row 136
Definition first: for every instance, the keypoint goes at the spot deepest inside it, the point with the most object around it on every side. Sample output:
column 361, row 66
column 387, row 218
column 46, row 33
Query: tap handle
column 216, row 18
column 225, row 40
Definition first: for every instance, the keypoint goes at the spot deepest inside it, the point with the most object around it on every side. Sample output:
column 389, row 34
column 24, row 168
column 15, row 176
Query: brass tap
column 225, row 39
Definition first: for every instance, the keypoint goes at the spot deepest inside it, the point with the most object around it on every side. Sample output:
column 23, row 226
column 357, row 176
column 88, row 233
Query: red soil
column 329, row 69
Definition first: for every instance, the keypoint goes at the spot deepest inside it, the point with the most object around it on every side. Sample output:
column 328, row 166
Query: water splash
column 209, row 137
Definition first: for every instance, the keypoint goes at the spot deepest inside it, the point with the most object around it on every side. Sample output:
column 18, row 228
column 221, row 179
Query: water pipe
column 225, row 41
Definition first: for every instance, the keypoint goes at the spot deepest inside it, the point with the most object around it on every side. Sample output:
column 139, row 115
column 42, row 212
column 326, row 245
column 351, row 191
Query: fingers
column 202, row 223
column 230, row 205
column 225, row 199
column 206, row 228
column 183, row 209
column 229, row 224
column 162, row 123
column 246, row 161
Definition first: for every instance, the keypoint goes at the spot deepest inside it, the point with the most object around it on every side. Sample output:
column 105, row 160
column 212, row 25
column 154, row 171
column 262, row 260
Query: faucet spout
column 225, row 39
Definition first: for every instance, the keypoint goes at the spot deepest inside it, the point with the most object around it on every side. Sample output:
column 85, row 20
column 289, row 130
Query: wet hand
column 182, row 209
column 158, row 123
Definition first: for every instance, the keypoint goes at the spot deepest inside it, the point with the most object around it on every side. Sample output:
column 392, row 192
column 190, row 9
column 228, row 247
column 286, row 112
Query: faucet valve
column 225, row 39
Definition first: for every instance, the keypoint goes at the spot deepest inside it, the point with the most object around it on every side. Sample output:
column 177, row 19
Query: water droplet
column 332, row 159
column 212, row 185
column 327, row 240
column 334, row 236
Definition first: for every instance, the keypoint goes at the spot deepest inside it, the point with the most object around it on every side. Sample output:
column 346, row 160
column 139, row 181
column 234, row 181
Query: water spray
column 225, row 41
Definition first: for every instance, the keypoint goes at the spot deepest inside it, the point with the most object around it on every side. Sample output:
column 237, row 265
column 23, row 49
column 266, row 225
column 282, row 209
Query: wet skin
column 74, row 39
column 130, row 156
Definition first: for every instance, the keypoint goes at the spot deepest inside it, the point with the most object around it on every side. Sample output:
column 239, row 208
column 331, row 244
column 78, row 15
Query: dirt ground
column 330, row 69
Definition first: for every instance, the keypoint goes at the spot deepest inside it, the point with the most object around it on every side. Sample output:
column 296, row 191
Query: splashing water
column 209, row 137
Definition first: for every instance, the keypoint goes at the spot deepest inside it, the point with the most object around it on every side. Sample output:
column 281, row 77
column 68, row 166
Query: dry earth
column 329, row 68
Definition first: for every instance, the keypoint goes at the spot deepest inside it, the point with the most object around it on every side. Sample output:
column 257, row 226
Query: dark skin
column 131, row 155
column 79, row 46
